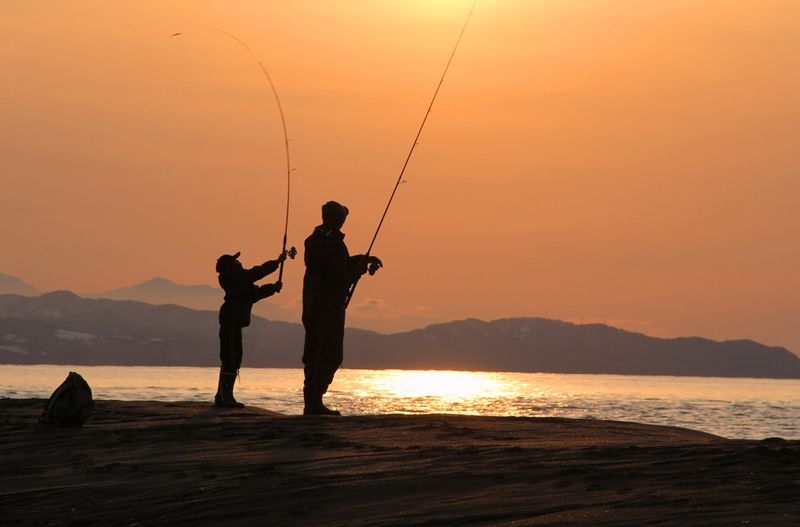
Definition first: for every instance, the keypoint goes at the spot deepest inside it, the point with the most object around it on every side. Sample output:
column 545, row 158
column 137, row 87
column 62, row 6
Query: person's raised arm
column 260, row 271
column 269, row 289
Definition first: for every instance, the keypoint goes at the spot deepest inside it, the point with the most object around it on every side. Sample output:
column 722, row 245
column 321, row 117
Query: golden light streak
column 446, row 385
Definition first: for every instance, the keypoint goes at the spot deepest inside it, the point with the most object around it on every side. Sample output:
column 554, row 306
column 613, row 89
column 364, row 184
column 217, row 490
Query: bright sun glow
column 449, row 385
column 438, row 8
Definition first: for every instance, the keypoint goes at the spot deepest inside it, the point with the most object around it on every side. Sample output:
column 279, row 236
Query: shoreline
column 213, row 365
column 154, row 463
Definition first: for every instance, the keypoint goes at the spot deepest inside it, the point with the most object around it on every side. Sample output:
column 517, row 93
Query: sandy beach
column 154, row 463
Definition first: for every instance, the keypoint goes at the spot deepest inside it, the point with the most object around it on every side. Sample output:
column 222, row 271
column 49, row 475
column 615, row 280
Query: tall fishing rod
column 411, row 150
column 292, row 252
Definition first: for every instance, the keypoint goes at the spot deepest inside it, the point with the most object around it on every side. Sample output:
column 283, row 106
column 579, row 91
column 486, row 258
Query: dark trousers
column 230, row 347
column 323, row 349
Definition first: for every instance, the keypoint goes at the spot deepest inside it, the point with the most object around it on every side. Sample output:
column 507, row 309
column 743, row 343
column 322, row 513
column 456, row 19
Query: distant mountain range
column 14, row 286
column 63, row 328
column 155, row 291
column 164, row 291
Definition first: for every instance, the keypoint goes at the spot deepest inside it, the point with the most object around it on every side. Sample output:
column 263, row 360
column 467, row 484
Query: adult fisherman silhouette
column 331, row 278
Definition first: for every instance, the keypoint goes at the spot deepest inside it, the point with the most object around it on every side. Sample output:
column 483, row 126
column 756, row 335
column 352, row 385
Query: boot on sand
column 224, row 397
column 314, row 406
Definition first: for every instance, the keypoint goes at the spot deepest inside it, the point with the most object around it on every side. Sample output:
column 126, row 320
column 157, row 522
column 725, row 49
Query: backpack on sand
column 70, row 405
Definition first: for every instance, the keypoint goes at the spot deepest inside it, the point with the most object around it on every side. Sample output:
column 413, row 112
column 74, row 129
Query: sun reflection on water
column 445, row 385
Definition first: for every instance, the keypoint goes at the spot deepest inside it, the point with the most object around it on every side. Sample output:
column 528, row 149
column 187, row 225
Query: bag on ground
column 70, row 405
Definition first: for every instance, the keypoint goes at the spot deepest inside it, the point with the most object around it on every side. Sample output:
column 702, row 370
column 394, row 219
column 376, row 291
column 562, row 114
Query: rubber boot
column 224, row 397
column 314, row 406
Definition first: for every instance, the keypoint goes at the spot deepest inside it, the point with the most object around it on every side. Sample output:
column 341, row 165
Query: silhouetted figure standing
column 330, row 270
column 241, row 293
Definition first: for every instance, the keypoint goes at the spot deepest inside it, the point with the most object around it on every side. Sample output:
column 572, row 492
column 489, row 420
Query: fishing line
column 413, row 146
column 292, row 252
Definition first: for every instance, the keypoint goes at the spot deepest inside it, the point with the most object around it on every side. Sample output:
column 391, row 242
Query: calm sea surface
column 735, row 408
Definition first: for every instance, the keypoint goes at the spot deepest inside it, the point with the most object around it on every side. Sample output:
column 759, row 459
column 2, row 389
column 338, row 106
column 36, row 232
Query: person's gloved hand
column 373, row 264
column 278, row 286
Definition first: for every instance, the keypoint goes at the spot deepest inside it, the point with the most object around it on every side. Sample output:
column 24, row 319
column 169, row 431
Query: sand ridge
column 182, row 463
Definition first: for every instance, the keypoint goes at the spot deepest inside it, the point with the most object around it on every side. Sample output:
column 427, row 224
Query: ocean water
column 734, row 408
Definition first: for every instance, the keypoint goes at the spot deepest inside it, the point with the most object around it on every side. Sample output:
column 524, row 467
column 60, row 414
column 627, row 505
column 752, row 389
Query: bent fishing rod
column 411, row 151
column 291, row 252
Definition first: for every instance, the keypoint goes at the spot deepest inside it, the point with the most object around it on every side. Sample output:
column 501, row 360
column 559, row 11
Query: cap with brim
column 226, row 260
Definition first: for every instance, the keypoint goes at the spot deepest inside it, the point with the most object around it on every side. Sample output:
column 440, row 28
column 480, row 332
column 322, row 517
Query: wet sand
column 153, row 463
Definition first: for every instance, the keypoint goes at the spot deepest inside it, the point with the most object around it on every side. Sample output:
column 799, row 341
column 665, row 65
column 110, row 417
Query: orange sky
column 619, row 161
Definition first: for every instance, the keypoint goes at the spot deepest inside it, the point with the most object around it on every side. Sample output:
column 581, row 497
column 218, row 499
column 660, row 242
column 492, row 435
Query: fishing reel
column 291, row 253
